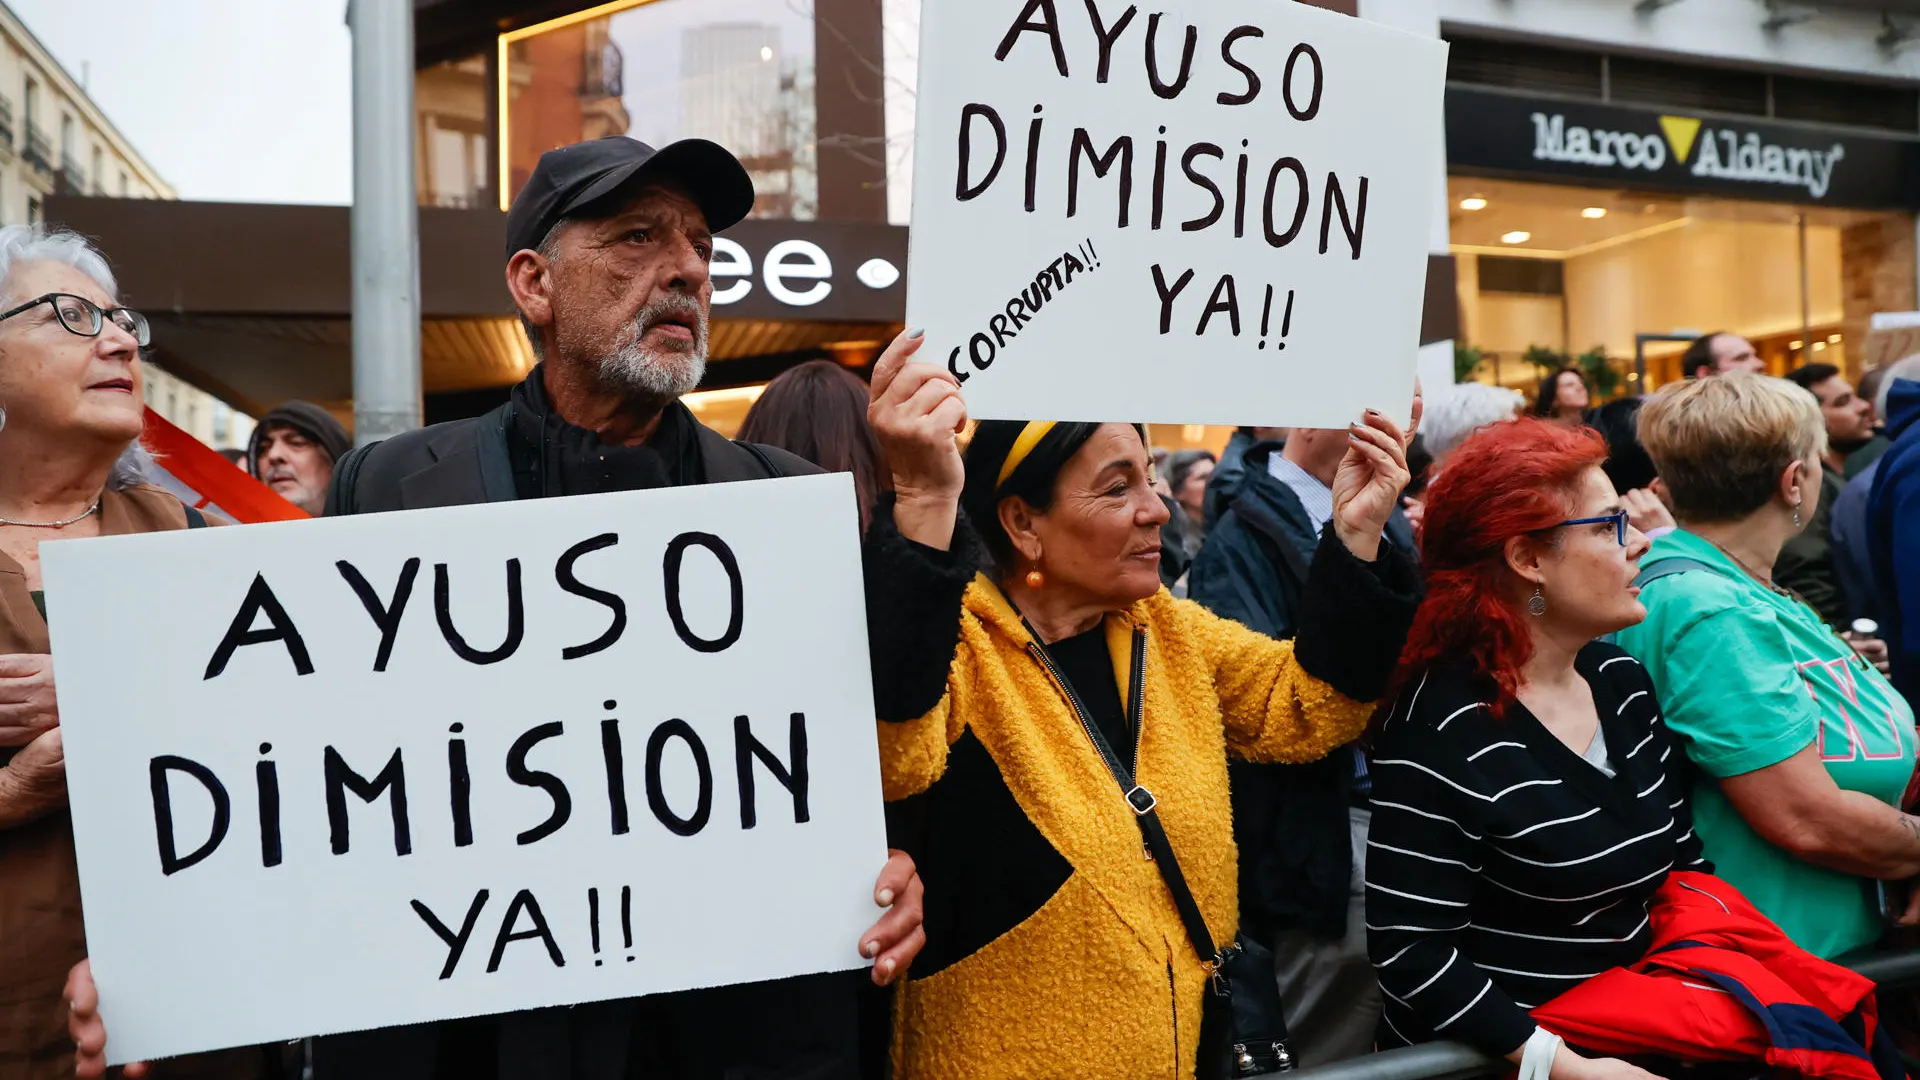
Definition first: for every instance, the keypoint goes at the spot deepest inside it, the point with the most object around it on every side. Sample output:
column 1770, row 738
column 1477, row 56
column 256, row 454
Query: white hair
column 37, row 243
column 1456, row 411
column 1908, row 368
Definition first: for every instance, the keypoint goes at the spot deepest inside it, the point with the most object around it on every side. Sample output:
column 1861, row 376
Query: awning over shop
column 253, row 302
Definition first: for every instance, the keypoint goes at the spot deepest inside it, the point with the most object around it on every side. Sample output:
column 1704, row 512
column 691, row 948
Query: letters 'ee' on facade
column 1616, row 178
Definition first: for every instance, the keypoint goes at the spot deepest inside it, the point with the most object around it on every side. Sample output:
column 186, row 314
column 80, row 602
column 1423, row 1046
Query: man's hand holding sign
column 1230, row 195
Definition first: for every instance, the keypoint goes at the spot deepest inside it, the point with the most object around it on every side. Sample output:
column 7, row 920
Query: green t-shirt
column 1747, row 678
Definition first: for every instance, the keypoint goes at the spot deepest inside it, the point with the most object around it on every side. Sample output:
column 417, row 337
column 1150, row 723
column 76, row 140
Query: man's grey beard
column 640, row 369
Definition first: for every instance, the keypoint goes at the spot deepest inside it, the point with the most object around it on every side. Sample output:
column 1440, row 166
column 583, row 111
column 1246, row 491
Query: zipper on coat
column 1173, row 1010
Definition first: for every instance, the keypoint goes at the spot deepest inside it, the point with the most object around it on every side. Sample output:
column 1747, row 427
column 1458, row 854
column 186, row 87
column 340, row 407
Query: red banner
column 202, row 478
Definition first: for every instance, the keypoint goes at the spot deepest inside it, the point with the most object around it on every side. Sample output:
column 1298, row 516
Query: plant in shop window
column 1467, row 359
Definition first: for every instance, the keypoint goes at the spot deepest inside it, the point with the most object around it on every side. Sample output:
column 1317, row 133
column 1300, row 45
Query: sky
column 229, row 100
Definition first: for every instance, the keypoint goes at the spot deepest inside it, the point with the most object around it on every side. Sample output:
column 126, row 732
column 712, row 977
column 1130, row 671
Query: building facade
column 54, row 140
column 1619, row 178
column 1624, row 177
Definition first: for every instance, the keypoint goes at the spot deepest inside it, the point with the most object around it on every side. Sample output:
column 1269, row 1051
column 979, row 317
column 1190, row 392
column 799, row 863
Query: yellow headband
column 1030, row 437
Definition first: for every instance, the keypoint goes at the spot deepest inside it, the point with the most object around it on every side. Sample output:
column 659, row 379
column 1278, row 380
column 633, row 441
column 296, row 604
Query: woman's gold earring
column 1035, row 579
column 1536, row 604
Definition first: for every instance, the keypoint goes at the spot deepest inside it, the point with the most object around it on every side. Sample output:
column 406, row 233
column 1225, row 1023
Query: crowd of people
column 1584, row 737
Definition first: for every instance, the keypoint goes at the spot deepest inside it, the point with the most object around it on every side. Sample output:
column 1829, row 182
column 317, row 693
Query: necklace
column 82, row 515
column 1789, row 594
column 1766, row 582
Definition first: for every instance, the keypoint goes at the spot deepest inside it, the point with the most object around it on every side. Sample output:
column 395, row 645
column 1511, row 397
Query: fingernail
column 886, row 967
column 914, row 333
column 870, row 950
column 1373, row 412
column 886, row 898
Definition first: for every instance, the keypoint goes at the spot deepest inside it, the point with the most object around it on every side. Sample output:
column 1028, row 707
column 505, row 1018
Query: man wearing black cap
column 293, row 451
column 607, row 251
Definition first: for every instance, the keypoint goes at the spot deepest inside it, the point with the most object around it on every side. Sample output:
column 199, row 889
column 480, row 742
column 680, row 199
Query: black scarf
column 553, row 457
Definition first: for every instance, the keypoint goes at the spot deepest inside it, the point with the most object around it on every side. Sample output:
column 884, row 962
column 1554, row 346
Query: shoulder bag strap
column 1143, row 802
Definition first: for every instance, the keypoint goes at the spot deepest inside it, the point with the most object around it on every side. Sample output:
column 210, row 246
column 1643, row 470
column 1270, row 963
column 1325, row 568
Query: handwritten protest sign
column 367, row 771
column 1198, row 213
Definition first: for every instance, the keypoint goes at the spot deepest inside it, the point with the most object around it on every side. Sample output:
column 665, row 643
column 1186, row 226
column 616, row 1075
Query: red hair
column 1508, row 480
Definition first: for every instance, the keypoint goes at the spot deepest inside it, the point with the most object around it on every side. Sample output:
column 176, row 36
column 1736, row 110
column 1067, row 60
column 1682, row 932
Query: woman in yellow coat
column 1018, row 624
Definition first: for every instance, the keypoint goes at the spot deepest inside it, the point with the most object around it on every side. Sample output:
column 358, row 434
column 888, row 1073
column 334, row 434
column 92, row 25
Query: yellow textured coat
column 1101, row 980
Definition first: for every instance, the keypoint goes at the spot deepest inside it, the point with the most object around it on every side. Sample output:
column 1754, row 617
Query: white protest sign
column 367, row 771
column 1205, row 213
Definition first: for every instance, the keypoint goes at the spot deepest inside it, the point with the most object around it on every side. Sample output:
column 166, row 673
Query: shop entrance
column 1555, row 270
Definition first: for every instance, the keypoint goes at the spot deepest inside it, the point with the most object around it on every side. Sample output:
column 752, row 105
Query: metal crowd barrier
column 1456, row 1061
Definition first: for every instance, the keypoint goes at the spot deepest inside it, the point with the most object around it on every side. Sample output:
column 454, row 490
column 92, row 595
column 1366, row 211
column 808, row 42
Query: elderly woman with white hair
column 70, row 418
column 1453, row 412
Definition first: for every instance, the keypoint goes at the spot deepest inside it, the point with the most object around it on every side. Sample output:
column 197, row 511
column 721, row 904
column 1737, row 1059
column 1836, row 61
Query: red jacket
column 1722, row 983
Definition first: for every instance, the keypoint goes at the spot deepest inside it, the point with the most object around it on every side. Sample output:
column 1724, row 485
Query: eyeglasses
column 1618, row 520
column 84, row 317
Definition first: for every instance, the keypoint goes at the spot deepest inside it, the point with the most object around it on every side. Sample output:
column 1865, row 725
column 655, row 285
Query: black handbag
column 1242, row 996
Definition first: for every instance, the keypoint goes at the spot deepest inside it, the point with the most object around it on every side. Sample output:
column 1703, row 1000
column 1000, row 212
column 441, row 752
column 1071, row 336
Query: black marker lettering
column 1167, row 296
column 460, row 785
column 1107, row 36
column 456, row 943
column 260, row 599
column 1354, row 227
column 1225, row 299
column 1312, row 108
column 563, row 573
column 1121, row 150
column 171, row 862
column 386, row 617
column 341, row 779
column 612, row 752
column 1292, row 165
column 1026, row 23
column 1017, row 311
column 962, row 191
column 656, row 793
column 266, row 781
column 792, row 775
column 1252, row 77
column 1033, row 155
column 556, row 790
column 1165, row 90
column 516, row 617
column 523, row 901
column 1219, row 201
column 676, row 551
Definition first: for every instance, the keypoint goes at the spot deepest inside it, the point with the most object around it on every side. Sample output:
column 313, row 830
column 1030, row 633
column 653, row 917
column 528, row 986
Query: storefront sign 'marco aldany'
column 1511, row 134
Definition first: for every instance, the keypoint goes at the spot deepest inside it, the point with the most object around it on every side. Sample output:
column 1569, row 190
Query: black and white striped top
column 1502, row 868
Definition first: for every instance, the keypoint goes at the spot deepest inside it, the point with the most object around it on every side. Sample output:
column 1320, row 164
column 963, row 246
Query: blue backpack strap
column 1667, row 567
column 1654, row 571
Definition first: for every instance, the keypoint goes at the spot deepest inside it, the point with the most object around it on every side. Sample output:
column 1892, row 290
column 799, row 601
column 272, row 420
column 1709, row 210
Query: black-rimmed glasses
column 82, row 316
column 1618, row 519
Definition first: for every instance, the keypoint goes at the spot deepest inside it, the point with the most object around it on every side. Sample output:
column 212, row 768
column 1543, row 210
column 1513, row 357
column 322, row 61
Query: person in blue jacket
column 1893, row 525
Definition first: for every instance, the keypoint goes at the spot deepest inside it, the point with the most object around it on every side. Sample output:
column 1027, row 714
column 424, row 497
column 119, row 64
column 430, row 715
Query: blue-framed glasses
column 1618, row 519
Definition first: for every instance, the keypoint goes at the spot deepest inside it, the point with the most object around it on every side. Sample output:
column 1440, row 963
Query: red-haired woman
column 1523, row 811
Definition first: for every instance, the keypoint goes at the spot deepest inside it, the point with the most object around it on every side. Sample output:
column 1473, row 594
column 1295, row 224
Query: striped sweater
column 1502, row 869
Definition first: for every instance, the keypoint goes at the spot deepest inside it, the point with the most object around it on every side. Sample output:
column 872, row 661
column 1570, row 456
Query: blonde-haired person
column 1803, row 750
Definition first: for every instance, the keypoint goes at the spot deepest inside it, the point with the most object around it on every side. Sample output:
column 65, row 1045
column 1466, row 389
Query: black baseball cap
column 569, row 179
